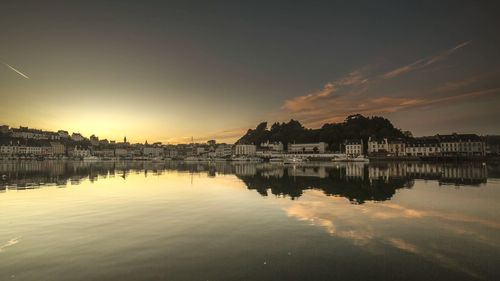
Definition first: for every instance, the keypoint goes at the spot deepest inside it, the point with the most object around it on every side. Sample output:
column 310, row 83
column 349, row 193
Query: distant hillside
column 354, row 127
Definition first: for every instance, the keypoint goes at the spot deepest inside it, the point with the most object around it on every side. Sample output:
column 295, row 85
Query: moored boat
column 293, row 160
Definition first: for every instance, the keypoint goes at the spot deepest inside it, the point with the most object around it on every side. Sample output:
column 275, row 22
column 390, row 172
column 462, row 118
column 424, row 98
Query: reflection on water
column 356, row 181
column 241, row 221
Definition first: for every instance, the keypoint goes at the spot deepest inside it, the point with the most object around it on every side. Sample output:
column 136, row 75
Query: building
column 53, row 136
column 423, row 147
column 354, row 147
column 396, row 147
column 319, row 147
column 462, row 145
column 58, row 148
column 94, row 140
column 272, row 146
column 245, row 149
column 223, row 150
column 27, row 133
column 105, row 152
column 8, row 147
column 377, row 145
column 77, row 137
column 78, row 151
column 199, row 150
column 47, row 150
column 32, row 149
column 63, row 134
column 152, row 151
column 120, row 152
column 171, row 152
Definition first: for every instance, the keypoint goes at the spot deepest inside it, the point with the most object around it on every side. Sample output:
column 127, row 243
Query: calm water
column 221, row 221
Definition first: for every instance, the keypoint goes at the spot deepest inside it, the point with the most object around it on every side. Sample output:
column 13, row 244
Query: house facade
column 377, row 145
column 462, row 145
column 319, row 147
column 354, row 147
column 423, row 147
column 245, row 149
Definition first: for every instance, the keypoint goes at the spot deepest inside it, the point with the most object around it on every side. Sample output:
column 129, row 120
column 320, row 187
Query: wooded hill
column 334, row 134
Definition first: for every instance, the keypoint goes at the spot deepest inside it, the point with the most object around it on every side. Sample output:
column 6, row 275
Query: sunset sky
column 212, row 69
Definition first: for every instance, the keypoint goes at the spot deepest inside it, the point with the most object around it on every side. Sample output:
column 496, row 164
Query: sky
column 170, row 71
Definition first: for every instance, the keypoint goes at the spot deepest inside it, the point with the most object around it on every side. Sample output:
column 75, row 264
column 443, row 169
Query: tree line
column 334, row 134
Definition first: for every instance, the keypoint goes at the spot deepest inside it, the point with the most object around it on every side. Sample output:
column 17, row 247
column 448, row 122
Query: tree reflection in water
column 354, row 181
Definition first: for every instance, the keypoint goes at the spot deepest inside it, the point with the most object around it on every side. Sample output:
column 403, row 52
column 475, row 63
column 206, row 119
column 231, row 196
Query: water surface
column 220, row 221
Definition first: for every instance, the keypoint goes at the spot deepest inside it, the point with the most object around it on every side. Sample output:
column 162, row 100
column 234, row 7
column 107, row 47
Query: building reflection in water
column 356, row 181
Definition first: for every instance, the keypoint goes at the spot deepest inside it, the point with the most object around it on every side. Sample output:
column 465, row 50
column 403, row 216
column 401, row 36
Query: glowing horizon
column 172, row 71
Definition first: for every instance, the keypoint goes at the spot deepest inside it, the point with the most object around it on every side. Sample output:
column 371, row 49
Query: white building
column 245, row 149
column 79, row 152
column 377, row 145
column 272, row 146
column 354, row 148
column 462, row 145
column 423, row 147
column 319, row 147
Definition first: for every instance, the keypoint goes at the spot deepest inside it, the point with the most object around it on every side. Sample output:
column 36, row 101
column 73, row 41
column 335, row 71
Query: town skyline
column 195, row 139
column 172, row 71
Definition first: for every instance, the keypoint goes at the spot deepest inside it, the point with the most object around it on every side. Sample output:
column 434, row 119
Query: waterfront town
column 29, row 143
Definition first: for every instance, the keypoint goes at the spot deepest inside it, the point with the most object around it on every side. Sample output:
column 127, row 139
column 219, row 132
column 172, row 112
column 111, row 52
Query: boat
column 360, row 158
column 194, row 159
column 157, row 160
column 345, row 158
column 293, row 160
column 255, row 159
column 191, row 159
column 90, row 158
column 340, row 158
column 246, row 159
column 276, row 160
column 239, row 159
column 219, row 159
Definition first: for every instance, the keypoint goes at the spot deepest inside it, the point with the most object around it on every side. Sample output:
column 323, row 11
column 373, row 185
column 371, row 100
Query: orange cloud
column 368, row 224
column 354, row 80
column 355, row 93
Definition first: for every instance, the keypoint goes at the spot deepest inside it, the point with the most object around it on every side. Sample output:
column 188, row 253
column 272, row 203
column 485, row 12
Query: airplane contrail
column 17, row 71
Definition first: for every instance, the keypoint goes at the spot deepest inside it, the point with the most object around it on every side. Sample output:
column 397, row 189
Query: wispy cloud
column 361, row 93
column 455, row 85
column 422, row 63
column 15, row 70
column 353, row 80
